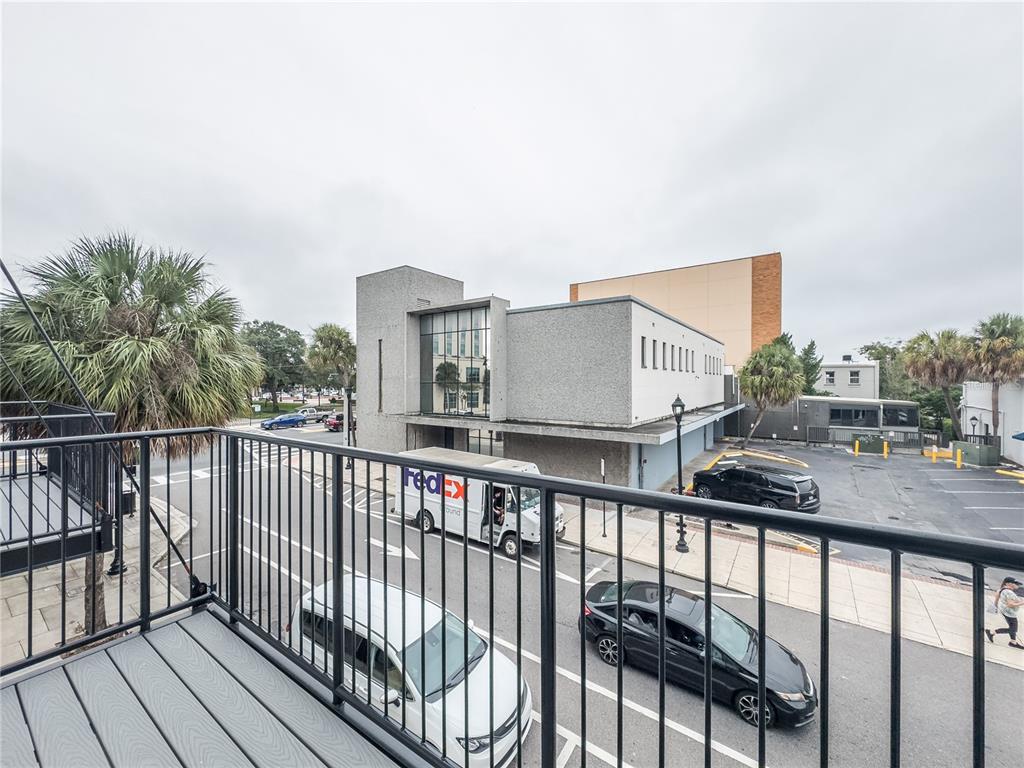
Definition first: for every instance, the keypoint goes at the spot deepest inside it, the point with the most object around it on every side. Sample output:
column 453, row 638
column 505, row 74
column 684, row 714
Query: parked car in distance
column 430, row 676
column 792, row 698
column 763, row 486
column 284, row 420
column 313, row 414
column 333, row 422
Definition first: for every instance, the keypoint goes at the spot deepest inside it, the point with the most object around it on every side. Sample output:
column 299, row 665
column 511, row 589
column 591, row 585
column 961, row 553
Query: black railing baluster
column 144, row 512
column 384, row 525
column 211, row 580
column 465, row 614
column 279, row 537
column 291, row 546
column 618, row 635
column 824, row 635
column 64, row 512
column 762, row 695
column 708, row 644
column 352, row 566
column 661, row 639
column 978, row 663
column 548, row 622
column 489, row 511
column 191, row 559
column 119, row 502
column 30, row 546
column 339, row 582
column 423, row 613
column 583, row 633
column 323, row 505
column 96, row 509
column 258, row 528
column 369, row 575
column 337, row 606
column 895, row 659
column 519, row 627
column 167, row 501
column 444, row 619
column 302, row 540
column 234, row 528
column 401, row 489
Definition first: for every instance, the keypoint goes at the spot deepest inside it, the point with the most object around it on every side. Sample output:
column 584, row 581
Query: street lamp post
column 974, row 426
column 677, row 411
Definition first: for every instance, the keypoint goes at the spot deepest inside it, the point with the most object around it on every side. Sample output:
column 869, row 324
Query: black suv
column 792, row 698
column 770, row 487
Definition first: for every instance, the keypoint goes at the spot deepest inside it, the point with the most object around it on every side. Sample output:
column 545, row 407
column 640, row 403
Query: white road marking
column 1006, row 529
column 573, row 740
column 593, row 572
column 1017, row 508
column 946, row 490
column 639, row 708
column 979, row 480
column 394, row 551
column 563, row 757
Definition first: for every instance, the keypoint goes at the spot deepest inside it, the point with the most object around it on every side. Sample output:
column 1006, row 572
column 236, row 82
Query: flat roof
column 609, row 300
column 850, row 364
column 675, row 269
column 856, row 400
column 467, row 459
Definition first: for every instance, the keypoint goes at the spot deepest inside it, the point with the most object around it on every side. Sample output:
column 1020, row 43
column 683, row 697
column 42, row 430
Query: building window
column 673, row 357
column 654, row 354
column 455, row 375
column 830, row 378
column 853, row 417
column 380, row 375
column 664, row 355
column 899, row 415
column 854, row 378
column 643, row 351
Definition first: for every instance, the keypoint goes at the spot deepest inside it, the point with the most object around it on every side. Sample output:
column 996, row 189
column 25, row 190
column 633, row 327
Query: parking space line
column 946, row 490
column 689, row 733
column 565, row 754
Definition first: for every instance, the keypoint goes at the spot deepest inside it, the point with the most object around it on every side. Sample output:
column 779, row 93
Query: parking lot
column 908, row 490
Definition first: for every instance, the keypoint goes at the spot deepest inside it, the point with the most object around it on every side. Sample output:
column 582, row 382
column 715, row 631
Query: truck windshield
column 530, row 498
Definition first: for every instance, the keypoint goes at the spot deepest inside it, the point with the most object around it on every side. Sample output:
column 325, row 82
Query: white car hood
column 506, row 697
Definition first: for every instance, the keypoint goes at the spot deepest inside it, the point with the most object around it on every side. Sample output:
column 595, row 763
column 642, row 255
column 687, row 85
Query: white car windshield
column 426, row 650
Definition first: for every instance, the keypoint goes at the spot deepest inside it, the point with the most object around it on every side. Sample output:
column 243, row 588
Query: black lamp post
column 677, row 411
column 974, row 425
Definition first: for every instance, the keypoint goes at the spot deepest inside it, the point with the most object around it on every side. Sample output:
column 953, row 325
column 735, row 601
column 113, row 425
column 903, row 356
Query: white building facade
column 849, row 379
column 977, row 404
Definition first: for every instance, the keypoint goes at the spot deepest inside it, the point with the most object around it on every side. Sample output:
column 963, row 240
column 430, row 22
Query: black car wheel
column 746, row 706
column 510, row 546
column 703, row 492
column 426, row 521
column 608, row 650
column 769, row 504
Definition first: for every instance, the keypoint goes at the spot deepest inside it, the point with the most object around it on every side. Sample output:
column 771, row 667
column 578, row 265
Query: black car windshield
column 729, row 633
column 431, row 679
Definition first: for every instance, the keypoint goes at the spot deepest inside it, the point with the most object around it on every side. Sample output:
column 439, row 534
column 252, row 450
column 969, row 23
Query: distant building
column 737, row 301
column 849, row 379
column 563, row 386
column 977, row 404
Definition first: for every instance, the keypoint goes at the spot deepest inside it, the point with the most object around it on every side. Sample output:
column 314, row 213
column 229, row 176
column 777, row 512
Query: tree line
column 928, row 369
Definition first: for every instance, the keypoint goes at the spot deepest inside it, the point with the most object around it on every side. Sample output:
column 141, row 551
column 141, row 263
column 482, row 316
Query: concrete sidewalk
column 932, row 613
column 46, row 591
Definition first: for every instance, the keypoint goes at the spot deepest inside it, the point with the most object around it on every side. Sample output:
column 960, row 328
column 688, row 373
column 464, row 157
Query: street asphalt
column 936, row 684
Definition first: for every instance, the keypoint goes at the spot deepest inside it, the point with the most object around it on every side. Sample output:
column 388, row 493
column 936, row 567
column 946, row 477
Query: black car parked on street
column 762, row 486
column 792, row 698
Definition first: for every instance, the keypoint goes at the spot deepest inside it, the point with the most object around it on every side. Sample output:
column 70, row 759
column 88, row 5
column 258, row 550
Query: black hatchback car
column 792, row 699
column 770, row 487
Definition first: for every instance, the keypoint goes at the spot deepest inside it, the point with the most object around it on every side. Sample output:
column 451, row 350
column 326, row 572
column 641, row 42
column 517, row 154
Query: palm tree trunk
column 273, row 398
column 753, row 428
column 995, row 411
column 958, row 430
column 95, row 603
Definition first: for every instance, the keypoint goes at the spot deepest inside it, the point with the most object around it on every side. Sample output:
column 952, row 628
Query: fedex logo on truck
column 431, row 483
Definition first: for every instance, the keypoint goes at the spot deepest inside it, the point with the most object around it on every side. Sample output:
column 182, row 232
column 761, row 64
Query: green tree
column 939, row 361
column 771, row 377
column 785, row 340
column 447, row 377
column 893, row 381
column 810, row 362
column 144, row 334
column 333, row 350
column 997, row 355
column 282, row 350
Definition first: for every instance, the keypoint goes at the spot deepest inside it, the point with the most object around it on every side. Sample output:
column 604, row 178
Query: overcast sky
column 521, row 148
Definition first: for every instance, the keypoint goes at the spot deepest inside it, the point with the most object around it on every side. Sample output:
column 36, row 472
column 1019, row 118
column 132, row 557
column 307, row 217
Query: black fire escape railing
column 261, row 490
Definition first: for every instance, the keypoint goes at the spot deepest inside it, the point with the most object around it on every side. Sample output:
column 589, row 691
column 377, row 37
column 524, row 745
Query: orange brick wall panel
column 765, row 299
column 574, row 292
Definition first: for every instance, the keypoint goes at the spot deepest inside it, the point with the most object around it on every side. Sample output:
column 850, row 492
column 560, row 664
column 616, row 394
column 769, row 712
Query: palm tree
column 771, row 377
column 940, row 360
column 144, row 335
column 997, row 355
column 333, row 350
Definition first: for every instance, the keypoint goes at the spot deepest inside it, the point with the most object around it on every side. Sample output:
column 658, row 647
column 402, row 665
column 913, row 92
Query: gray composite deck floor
column 191, row 693
column 45, row 507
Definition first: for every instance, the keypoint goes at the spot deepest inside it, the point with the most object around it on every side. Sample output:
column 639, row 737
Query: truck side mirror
column 391, row 698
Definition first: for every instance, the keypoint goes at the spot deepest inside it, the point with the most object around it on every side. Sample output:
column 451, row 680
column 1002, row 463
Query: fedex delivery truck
column 472, row 507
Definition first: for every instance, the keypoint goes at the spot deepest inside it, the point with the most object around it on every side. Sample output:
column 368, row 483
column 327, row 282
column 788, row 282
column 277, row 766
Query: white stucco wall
column 977, row 401
column 868, row 387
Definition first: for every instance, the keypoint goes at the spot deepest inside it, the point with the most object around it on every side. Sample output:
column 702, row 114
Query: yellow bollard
column 935, row 454
column 885, row 449
column 856, row 447
column 959, row 458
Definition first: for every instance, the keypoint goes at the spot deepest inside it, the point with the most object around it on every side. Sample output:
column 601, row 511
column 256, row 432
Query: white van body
column 310, row 632
column 469, row 499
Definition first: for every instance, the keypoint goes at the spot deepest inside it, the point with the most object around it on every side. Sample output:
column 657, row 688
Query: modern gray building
column 564, row 386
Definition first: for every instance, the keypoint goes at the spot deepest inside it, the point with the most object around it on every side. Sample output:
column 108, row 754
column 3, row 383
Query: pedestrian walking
column 1008, row 604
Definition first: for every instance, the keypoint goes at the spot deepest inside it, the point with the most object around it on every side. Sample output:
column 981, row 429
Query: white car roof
column 470, row 459
column 319, row 600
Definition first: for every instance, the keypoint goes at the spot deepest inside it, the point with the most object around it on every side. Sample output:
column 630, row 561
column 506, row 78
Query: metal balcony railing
column 270, row 521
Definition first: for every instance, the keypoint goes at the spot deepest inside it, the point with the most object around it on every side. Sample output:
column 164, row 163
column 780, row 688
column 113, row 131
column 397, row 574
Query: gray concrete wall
column 383, row 301
column 570, row 364
column 578, row 459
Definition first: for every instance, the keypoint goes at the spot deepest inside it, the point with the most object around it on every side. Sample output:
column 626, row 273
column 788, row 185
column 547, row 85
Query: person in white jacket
column 1008, row 604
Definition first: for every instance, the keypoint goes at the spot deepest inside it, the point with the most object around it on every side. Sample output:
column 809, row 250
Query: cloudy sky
column 521, row 148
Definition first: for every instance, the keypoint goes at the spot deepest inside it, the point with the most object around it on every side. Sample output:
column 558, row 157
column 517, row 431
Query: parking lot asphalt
column 909, row 491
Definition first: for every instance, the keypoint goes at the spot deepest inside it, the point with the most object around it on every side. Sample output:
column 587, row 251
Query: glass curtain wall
column 455, row 377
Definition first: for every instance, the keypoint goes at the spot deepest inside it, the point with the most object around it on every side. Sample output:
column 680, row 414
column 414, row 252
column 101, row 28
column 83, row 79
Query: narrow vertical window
column 673, row 357
column 380, row 375
column 654, row 354
column 643, row 351
column 664, row 355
